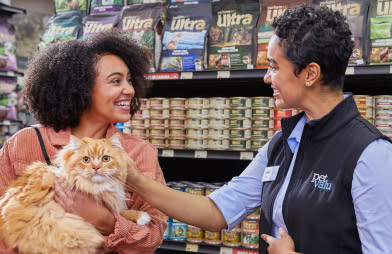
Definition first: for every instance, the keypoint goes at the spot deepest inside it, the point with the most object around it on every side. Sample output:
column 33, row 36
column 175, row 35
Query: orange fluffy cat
column 33, row 222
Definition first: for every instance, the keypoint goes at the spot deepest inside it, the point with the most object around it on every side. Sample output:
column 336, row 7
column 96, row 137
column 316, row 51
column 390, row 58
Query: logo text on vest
column 321, row 182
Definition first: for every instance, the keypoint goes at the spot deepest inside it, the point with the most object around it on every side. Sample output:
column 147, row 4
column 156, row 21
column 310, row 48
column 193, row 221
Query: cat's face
column 94, row 162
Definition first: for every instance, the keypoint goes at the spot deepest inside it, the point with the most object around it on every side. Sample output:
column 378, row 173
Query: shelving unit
column 212, row 166
column 11, row 10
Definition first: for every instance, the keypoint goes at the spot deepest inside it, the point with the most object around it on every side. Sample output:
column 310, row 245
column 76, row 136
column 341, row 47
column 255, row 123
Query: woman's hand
column 133, row 175
column 282, row 245
column 75, row 202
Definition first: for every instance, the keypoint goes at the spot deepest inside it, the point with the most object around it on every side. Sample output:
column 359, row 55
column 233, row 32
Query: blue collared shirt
column 371, row 192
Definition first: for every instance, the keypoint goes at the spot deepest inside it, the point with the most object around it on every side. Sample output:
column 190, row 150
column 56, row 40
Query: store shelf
column 10, row 122
column 204, row 248
column 11, row 10
column 11, row 74
column 206, row 154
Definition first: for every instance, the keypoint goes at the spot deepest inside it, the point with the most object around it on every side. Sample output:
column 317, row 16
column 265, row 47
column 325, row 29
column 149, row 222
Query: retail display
column 7, row 45
column 70, row 5
column 97, row 23
column 99, row 6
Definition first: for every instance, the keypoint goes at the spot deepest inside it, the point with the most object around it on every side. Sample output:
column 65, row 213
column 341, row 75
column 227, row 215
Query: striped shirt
column 23, row 148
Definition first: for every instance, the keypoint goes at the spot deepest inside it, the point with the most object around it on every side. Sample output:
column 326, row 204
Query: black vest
column 318, row 208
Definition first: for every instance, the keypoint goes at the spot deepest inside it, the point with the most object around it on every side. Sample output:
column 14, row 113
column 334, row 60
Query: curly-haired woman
column 82, row 87
column 324, row 181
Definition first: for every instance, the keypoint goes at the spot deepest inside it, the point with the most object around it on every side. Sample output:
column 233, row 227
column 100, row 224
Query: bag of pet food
column 356, row 12
column 61, row 27
column 270, row 9
column 97, row 23
column 70, row 5
column 231, row 41
column 184, row 37
column 7, row 99
column 99, row 6
column 140, row 21
column 129, row 2
column 7, row 46
column 381, row 32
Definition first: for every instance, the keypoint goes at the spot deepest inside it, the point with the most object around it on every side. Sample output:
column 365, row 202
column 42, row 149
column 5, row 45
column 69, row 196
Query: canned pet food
column 196, row 133
column 196, row 144
column 139, row 132
column 218, row 102
column 239, row 123
column 218, row 133
column 383, row 100
column 239, row 133
column 212, row 237
column 235, row 102
column 176, row 143
column 142, row 114
column 210, row 188
column 255, row 215
column 383, row 113
column 255, row 144
column 158, row 142
column 218, row 123
column 197, row 113
column 218, row 144
column 262, row 113
column 140, row 123
column 261, row 133
column 238, row 144
column 232, row 238
column 161, row 103
column 282, row 113
column 159, row 123
column 385, row 124
column 262, row 102
column 177, row 133
column 178, row 231
column 250, row 240
column 144, row 103
column 240, row 112
column 177, row 113
column 177, row 103
column 366, row 112
column 176, row 123
column 364, row 101
column 197, row 102
column 250, row 225
column 218, row 113
column 196, row 123
column 195, row 234
column 158, row 132
column 195, row 189
column 262, row 124
column 159, row 113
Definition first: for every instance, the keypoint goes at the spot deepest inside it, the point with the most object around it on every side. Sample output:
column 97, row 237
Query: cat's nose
column 96, row 169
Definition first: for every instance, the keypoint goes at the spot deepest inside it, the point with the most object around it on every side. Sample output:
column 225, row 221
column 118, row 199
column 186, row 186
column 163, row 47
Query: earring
column 307, row 83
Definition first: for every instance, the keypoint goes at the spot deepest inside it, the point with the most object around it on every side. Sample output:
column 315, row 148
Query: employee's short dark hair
column 60, row 79
column 315, row 35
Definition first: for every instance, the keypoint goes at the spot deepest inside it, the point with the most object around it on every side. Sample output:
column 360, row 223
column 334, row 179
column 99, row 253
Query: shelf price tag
column 167, row 153
column 246, row 156
column 225, row 250
column 187, row 75
column 201, row 154
column 223, row 74
column 350, row 70
column 6, row 122
column 191, row 247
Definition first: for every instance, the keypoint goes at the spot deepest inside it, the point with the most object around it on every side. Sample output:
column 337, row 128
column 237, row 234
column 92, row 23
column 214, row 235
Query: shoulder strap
column 41, row 142
column 272, row 144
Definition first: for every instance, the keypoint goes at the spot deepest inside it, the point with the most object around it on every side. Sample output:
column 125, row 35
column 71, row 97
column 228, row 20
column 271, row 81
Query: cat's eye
column 86, row 159
column 106, row 158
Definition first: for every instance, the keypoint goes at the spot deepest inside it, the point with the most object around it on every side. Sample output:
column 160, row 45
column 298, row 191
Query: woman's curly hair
column 316, row 35
column 60, row 79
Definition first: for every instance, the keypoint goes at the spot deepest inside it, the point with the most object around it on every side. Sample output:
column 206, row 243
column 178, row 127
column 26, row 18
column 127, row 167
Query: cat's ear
column 115, row 140
column 74, row 143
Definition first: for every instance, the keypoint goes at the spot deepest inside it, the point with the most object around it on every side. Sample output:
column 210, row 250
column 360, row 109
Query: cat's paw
column 144, row 219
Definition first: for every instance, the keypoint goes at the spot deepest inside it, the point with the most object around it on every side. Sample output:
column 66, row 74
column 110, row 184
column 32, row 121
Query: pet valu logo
column 321, row 182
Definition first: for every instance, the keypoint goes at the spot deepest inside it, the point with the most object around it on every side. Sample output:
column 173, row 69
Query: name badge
column 270, row 173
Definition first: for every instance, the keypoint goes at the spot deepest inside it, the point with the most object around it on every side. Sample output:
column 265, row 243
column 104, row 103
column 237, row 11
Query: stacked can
column 383, row 114
column 278, row 114
column 195, row 234
column 239, row 123
column 218, row 123
column 178, row 229
column 140, row 122
column 365, row 105
column 210, row 237
column 261, row 121
column 196, row 123
column 176, row 123
column 250, row 230
column 159, row 114
column 232, row 238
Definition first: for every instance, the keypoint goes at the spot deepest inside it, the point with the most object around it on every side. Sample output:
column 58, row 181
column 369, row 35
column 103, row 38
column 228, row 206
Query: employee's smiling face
column 288, row 89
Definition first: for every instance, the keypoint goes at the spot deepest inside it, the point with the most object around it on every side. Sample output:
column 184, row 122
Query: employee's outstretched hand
column 282, row 245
